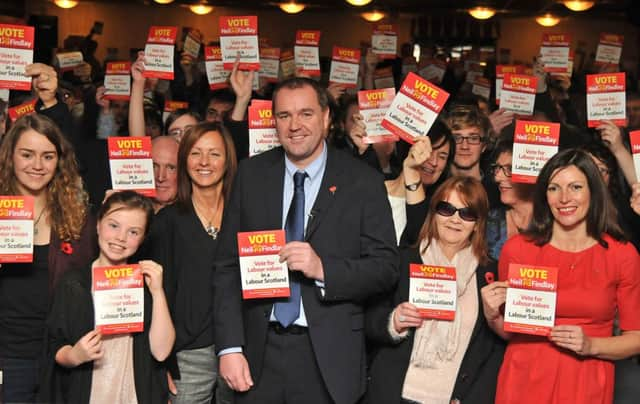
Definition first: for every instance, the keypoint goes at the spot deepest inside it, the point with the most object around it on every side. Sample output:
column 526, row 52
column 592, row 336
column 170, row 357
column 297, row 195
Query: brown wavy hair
column 472, row 194
column 67, row 201
column 183, row 198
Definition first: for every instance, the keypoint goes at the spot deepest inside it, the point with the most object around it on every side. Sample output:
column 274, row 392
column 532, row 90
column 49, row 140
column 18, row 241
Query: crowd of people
column 356, row 216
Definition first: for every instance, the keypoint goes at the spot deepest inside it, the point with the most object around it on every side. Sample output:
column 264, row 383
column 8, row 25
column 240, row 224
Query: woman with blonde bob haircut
column 37, row 161
column 419, row 359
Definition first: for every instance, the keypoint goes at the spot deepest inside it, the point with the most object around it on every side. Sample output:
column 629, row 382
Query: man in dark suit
column 344, row 254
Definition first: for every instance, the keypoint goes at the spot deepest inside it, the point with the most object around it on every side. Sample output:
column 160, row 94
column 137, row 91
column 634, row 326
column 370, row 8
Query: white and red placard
column 192, row 44
column 609, row 49
column 262, row 127
column 170, row 106
column 555, row 52
column 433, row 290
column 534, row 143
column 606, row 99
column 415, row 108
column 307, row 56
column 475, row 71
column 287, row 63
column 383, row 78
column 634, row 140
column 239, row 35
column 117, row 81
column 118, row 299
column 261, row 272
column 373, row 105
column 217, row 76
column 158, row 52
column 69, row 60
column 433, row 70
column 518, row 93
column 16, row 228
column 269, row 64
column 482, row 87
column 501, row 70
column 131, row 165
column 384, row 41
column 345, row 64
column 530, row 306
column 16, row 52
column 21, row 110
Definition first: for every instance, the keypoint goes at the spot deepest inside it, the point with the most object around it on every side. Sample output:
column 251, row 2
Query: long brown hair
column 472, row 193
column 183, row 198
column 67, row 201
column 602, row 216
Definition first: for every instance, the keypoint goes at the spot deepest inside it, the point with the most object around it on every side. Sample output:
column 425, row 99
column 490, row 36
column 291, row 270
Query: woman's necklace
column 211, row 230
column 35, row 224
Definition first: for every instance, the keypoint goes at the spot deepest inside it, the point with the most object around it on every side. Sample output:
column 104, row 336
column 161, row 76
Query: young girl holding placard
column 120, row 368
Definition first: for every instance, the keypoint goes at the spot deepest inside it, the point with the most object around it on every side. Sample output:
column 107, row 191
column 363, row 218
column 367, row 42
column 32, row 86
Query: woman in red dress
column 574, row 228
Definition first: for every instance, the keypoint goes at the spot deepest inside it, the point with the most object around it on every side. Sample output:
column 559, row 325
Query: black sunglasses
column 446, row 209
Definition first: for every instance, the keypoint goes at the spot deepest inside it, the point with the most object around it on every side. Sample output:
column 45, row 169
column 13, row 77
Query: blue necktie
column 287, row 312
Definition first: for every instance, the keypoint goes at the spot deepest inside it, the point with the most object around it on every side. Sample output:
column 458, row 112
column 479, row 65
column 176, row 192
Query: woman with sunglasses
column 574, row 229
column 514, row 215
column 423, row 360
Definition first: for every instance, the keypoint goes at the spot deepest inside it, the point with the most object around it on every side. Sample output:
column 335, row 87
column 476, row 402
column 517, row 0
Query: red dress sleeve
column 628, row 290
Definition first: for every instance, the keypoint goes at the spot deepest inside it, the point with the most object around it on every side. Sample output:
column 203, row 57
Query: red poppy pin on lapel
column 489, row 277
column 333, row 189
column 66, row 248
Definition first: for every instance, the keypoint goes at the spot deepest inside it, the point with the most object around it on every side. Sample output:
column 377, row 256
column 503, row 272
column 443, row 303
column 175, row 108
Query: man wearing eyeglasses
column 470, row 129
column 219, row 105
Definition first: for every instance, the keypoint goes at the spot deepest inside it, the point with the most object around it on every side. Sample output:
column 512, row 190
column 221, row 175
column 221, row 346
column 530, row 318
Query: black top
column 24, row 303
column 72, row 317
column 179, row 243
column 477, row 377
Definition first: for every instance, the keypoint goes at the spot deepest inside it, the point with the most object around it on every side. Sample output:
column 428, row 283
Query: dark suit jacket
column 477, row 377
column 351, row 230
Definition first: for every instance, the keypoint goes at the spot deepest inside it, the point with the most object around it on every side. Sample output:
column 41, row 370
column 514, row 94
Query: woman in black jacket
column 439, row 355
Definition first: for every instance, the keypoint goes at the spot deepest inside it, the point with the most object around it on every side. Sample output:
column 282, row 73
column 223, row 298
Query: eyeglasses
column 446, row 209
column 506, row 170
column 179, row 131
column 472, row 140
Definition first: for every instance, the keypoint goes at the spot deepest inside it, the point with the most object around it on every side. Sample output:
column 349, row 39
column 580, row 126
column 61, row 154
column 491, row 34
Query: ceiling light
column 482, row 13
column 547, row 20
column 373, row 16
column 163, row 1
column 578, row 5
column 359, row 2
column 292, row 7
column 200, row 9
column 66, row 3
